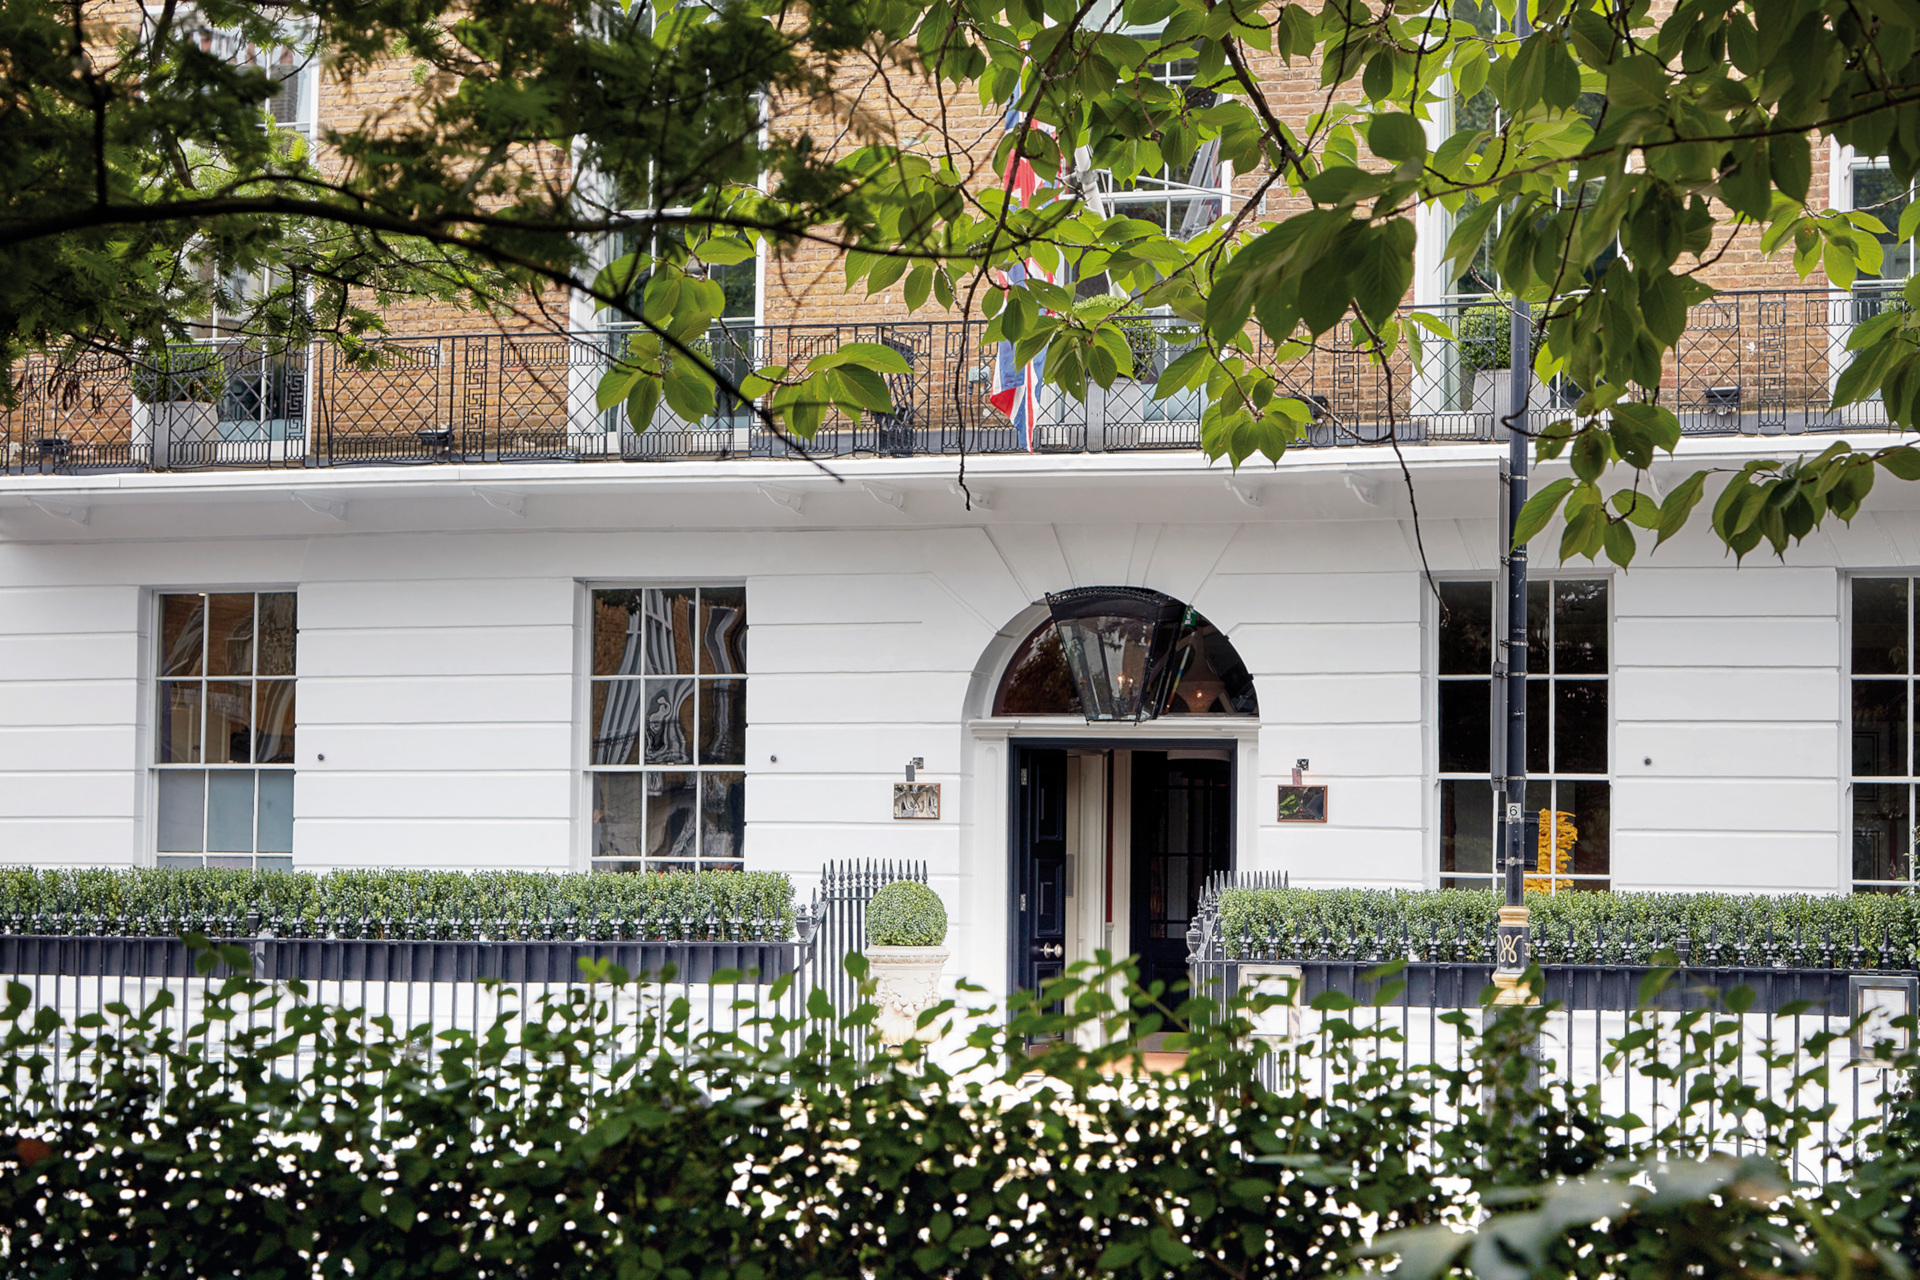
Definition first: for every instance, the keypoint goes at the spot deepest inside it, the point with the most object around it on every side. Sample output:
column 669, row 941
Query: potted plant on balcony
column 1485, row 343
column 906, row 933
column 178, row 388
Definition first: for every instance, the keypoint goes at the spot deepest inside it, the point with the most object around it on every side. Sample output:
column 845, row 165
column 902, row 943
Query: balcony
column 1755, row 363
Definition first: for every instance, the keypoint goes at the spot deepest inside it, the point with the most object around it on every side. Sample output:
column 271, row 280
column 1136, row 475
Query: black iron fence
column 1798, row 1026
column 1755, row 362
column 738, row 976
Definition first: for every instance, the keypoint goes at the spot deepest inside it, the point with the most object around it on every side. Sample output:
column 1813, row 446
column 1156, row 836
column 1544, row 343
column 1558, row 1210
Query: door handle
column 1048, row 951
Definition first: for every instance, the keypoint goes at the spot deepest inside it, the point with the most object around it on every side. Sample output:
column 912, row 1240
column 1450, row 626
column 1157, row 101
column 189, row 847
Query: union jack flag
column 1016, row 388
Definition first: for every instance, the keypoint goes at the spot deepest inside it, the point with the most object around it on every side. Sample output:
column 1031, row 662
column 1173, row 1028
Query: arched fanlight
column 1119, row 646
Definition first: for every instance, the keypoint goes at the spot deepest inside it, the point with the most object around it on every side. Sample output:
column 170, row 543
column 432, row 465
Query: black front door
column 1182, row 833
column 1039, row 879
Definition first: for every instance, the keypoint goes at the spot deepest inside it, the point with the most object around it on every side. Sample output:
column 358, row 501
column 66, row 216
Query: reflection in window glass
column 1568, row 728
column 224, row 732
column 667, row 728
column 1884, row 859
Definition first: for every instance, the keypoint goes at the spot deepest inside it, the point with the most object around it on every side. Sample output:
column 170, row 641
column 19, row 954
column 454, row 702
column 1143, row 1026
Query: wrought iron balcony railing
column 1754, row 362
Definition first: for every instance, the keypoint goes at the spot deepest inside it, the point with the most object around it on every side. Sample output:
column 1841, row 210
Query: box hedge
column 397, row 904
column 906, row 913
column 1874, row 931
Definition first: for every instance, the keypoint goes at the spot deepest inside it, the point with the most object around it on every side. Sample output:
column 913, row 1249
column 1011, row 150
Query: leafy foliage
column 390, row 904
column 1607, row 159
column 1880, row 931
column 275, row 1136
column 906, row 913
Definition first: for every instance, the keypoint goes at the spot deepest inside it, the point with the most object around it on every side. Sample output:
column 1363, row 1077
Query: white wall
column 440, row 644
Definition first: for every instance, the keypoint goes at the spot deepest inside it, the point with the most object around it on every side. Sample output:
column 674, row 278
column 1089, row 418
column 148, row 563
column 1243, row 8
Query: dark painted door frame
column 1020, row 935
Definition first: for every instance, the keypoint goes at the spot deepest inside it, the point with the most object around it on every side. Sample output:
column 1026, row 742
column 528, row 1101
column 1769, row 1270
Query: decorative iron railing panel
column 1757, row 362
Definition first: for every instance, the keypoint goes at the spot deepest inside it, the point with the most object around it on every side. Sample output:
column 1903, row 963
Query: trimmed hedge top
column 508, row 905
column 1860, row 931
column 906, row 914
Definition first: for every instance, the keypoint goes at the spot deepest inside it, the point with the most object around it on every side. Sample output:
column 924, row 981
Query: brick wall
column 805, row 283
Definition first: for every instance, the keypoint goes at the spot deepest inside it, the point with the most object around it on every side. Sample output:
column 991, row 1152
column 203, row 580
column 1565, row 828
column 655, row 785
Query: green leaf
column 863, row 387
column 643, row 403
column 1790, row 160
column 1619, row 544
column 1901, row 461
column 724, row 251
column 1539, row 510
column 1385, row 270
column 1116, row 1256
column 689, row 390
column 874, row 355
column 1591, row 452
column 1396, row 136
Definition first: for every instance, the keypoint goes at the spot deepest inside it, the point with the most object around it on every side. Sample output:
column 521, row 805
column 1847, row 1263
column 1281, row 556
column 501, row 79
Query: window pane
column 723, row 815
column 1879, row 626
column 229, row 722
column 179, row 862
column 723, row 630
column 1464, row 725
column 617, row 713
column 276, row 811
column 672, row 824
column 273, row 864
column 1591, row 804
column 1877, row 191
column 620, row 868
column 277, row 632
column 183, row 631
column 723, row 722
column 1882, row 831
column 273, row 735
column 230, row 811
column 1580, row 726
column 669, row 722
column 1466, row 828
column 183, row 811
column 1539, row 601
column 617, row 814
column 1580, row 627
column 232, row 862
column 1539, row 727
column 616, row 633
column 177, row 734
column 1466, row 628
column 230, row 635
column 667, row 617
column 1879, row 728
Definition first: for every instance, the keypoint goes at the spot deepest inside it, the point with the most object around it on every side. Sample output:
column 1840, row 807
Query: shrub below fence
column 397, row 904
column 309, row 1143
column 1858, row 931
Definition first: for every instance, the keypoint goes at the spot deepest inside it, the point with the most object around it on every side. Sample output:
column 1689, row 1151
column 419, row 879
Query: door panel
column 1039, row 879
column 1182, row 834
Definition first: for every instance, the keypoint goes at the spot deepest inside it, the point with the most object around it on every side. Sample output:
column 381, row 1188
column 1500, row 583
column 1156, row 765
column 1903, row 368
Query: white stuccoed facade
column 442, row 615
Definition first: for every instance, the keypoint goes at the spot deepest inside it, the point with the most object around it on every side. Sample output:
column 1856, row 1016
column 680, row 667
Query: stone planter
column 1493, row 395
column 908, row 982
column 164, row 425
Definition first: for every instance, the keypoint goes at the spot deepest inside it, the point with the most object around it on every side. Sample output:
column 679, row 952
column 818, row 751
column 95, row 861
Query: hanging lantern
column 1119, row 644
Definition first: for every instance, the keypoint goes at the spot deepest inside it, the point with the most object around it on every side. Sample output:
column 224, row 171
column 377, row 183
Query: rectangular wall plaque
column 916, row 800
column 1303, row 804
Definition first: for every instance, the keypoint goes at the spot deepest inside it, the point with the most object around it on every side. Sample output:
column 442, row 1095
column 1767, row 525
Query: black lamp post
column 1510, row 961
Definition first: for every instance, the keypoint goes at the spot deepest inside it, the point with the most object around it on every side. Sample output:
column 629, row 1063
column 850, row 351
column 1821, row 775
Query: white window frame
column 585, row 769
column 1847, row 882
column 1432, row 680
column 151, row 678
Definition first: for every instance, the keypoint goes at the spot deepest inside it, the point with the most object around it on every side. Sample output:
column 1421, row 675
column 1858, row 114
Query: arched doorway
column 1129, row 715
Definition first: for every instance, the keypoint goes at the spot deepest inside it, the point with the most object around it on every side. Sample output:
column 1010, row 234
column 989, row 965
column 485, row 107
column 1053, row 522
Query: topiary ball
column 906, row 914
